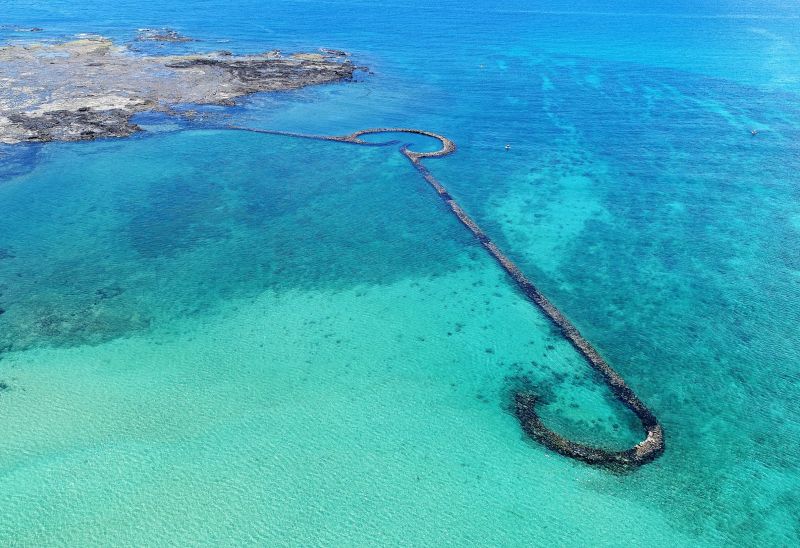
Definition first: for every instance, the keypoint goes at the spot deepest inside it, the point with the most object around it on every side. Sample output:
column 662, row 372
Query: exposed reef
column 162, row 35
column 525, row 400
column 90, row 88
column 335, row 52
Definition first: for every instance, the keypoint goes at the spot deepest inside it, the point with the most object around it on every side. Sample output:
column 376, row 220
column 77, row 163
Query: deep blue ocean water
column 212, row 336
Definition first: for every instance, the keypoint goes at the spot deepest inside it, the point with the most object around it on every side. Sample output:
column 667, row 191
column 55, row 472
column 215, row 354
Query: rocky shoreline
column 90, row 88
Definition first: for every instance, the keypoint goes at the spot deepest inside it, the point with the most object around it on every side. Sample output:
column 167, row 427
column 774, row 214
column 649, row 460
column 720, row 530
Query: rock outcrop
column 90, row 88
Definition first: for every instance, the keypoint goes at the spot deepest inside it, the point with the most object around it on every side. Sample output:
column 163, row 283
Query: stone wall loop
column 652, row 446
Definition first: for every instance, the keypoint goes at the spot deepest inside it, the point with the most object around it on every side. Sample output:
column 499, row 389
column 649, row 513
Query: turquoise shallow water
column 221, row 337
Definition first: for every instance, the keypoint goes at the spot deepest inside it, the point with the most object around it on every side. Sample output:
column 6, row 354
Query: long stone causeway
column 643, row 452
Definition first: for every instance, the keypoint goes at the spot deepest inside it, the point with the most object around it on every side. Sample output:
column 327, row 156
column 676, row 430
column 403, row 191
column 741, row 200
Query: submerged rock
column 15, row 28
column 89, row 88
column 108, row 292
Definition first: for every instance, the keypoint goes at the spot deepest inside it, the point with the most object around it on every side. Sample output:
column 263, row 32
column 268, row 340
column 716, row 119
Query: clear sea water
column 219, row 337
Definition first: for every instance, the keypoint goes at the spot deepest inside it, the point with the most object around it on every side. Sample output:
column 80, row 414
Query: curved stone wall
column 525, row 403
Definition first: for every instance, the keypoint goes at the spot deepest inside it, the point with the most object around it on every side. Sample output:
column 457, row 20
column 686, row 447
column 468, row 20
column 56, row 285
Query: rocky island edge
column 91, row 87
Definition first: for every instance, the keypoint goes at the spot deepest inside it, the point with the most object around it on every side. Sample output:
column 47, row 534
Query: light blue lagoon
column 211, row 336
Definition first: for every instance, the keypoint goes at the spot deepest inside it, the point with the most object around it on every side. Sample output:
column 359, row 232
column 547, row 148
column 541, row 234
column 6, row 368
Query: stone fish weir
column 525, row 402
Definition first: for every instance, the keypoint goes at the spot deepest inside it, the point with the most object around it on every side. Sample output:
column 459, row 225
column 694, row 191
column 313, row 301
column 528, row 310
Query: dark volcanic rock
column 253, row 75
column 162, row 35
column 81, row 125
column 335, row 52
